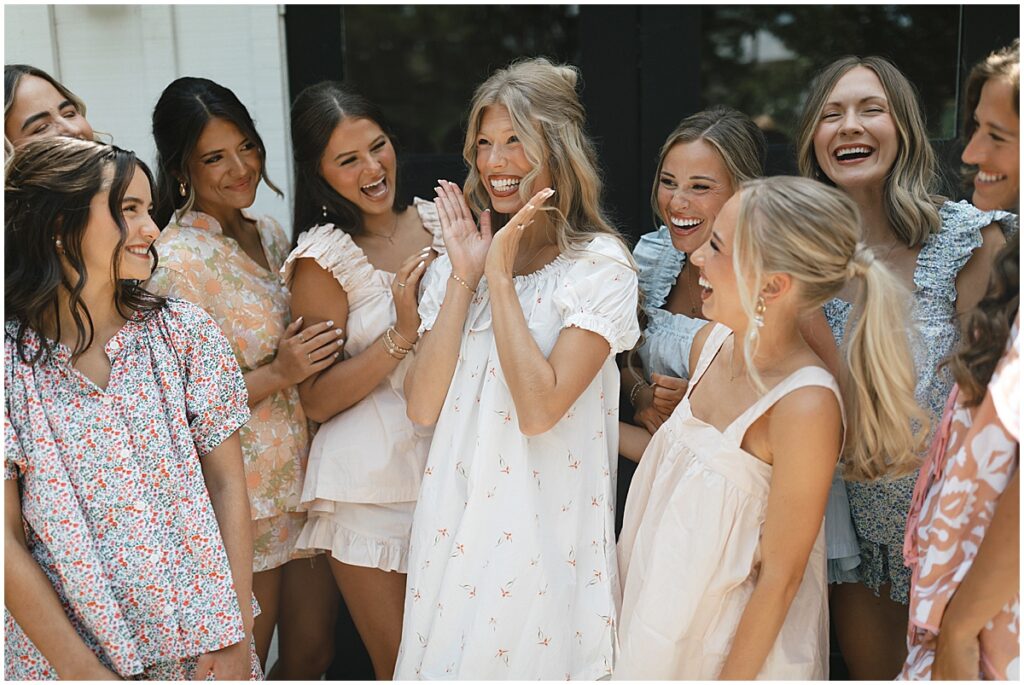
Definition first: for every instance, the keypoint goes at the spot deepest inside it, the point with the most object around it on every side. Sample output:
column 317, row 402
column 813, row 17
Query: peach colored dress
column 690, row 550
column 974, row 456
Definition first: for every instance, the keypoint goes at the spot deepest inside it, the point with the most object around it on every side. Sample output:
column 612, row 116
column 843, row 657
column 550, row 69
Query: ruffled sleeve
column 335, row 252
column 14, row 454
column 947, row 252
column 431, row 221
column 433, row 287
column 216, row 400
column 659, row 264
column 599, row 293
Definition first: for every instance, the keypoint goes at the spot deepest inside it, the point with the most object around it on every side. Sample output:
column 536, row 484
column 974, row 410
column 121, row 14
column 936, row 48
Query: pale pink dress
column 366, row 462
column 690, row 549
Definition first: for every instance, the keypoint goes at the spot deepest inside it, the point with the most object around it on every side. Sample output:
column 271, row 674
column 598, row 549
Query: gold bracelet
column 391, row 341
column 391, row 350
column 635, row 392
column 465, row 285
column 412, row 343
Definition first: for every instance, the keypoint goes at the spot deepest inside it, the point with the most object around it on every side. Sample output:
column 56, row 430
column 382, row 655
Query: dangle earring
column 323, row 209
column 759, row 311
column 181, row 189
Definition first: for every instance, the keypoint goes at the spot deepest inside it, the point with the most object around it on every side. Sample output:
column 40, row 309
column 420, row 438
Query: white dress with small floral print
column 512, row 568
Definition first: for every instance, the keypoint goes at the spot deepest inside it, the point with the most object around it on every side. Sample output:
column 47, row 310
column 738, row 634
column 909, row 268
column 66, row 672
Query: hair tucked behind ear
column 1001, row 64
column 811, row 232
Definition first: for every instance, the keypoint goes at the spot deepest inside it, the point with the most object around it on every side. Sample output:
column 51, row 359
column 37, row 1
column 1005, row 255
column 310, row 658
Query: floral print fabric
column 200, row 264
column 974, row 457
column 512, row 571
column 113, row 499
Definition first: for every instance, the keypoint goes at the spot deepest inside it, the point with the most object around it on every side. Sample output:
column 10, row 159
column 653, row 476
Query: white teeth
column 704, row 283
column 504, row 184
column 685, row 223
column 985, row 177
column 853, row 151
column 141, row 251
column 377, row 182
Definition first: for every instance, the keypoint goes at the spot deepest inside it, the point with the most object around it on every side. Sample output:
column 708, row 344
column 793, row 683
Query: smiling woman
column 215, row 254
column 36, row 105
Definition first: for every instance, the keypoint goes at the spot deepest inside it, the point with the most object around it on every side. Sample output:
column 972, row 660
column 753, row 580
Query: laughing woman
column 36, row 105
column 214, row 254
column 862, row 131
column 512, row 570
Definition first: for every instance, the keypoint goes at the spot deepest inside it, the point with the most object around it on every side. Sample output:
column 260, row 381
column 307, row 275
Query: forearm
column 34, row 604
column 226, row 485
column 633, row 441
column 347, row 382
column 531, row 378
column 759, row 626
column 263, row 382
column 993, row 578
column 431, row 373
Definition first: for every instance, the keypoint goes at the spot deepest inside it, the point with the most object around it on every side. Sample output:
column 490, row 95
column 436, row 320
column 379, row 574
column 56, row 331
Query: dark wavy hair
column 316, row 112
column 986, row 328
column 49, row 186
column 180, row 115
column 1000, row 64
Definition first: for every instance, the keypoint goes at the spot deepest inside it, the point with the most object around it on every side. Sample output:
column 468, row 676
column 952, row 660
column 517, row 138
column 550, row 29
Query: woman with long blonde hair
column 862, row 131
column 512, row 570
column 722, row 550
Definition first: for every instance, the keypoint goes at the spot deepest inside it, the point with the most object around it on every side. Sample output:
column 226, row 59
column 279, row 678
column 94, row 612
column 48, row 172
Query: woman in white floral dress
column 512, row 571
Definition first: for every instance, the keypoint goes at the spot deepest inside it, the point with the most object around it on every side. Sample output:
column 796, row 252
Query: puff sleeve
column 433, row 287
column 599, row 294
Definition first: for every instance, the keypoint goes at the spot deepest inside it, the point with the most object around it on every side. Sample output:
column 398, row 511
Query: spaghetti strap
column 801, row 378
column 719, row 334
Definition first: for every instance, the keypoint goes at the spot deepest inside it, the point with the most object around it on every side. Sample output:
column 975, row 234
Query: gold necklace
column 694, row 308
column 390, row 238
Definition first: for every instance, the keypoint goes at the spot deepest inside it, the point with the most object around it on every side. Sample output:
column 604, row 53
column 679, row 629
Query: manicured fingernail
column 549, row 192
column 340, row 342
column 337, row 354
column 330, row 323
column 441, row 181
column 421, row 264
column 298, row 320
column 529, row 206
column 338, row 331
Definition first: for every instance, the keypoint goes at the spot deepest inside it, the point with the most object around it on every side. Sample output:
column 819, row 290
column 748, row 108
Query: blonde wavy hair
column 910, row 200
column 812, row 232
column 549, row 120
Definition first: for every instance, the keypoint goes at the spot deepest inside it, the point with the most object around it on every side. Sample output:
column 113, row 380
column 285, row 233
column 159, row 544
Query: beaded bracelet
column 465, row 285
column 637, row 387
column 391, row 341
column 391, row 348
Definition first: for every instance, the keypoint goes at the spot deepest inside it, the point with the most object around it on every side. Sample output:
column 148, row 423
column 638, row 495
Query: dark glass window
column 761, row 59
column 420, row 64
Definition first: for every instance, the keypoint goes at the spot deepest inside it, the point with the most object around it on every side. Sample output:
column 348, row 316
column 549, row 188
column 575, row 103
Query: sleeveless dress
column 689, row 552
column 365, row 462
column 879, row 509
column 512, row 571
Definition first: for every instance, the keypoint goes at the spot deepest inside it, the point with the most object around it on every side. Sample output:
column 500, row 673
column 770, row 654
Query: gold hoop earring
column 181, row 189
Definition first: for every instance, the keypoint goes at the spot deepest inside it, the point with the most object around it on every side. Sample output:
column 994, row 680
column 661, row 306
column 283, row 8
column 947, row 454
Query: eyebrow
column 131, row 198
column 352, row 152
column 42, row 115
column 1004, row 131
column 880, row 98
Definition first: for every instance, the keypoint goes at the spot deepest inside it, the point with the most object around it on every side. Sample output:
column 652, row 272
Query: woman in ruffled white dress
column 358, row 263
column 722, row 551
column 512, row 571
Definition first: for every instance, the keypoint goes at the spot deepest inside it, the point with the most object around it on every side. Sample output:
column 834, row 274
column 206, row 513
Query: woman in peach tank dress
column 722, row 552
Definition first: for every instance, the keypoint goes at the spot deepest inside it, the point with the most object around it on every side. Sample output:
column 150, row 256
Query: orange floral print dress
column 251, row 305
column 974, row 456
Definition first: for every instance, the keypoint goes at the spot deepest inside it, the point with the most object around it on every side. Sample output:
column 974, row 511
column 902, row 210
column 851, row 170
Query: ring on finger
column 308, row 357
column 400, row 285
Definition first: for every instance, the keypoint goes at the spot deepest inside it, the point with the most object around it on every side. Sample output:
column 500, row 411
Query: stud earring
column 759, row 311
column 181, row 189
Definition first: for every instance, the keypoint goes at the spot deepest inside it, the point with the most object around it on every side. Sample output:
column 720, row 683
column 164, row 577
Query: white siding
column 119, row 58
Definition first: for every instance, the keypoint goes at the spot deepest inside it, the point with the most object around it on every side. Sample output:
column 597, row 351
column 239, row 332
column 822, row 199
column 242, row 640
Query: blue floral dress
column 113, row 500
column 879, row 509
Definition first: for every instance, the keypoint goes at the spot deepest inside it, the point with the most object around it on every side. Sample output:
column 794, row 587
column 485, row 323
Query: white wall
column 119, row 58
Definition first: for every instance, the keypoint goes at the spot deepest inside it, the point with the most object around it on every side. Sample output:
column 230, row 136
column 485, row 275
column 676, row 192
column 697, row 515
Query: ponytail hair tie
column 862, row 259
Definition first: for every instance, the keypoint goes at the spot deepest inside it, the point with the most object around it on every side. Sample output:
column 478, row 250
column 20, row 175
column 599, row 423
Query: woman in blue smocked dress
column 862, row 131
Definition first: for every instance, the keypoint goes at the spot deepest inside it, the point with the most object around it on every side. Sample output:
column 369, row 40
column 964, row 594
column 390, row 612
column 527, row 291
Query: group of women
column 212, row 430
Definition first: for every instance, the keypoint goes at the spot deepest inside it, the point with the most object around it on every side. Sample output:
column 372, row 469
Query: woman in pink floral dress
column 216, row 255
column 127, row 550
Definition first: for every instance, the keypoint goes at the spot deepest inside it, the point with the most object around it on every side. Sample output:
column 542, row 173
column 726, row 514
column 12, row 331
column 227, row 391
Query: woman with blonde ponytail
column 862, row 131
column 722, row 551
